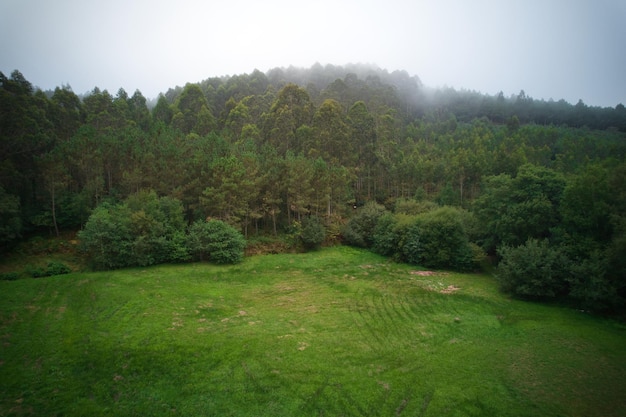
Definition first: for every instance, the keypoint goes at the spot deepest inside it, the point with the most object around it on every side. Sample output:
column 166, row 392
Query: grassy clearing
column 336, row 332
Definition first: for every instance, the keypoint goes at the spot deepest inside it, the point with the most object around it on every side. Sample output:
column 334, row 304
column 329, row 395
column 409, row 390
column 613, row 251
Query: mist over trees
column 436, row 177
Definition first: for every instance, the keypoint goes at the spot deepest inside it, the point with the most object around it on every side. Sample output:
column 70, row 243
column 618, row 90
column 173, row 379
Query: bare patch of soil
column 449, row 289
column 427, row 273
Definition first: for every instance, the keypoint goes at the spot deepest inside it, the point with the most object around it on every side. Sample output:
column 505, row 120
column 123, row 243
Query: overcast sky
column 552, row 49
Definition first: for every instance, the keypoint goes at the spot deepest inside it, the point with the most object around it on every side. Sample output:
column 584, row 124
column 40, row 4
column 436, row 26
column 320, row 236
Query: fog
column 551, row 49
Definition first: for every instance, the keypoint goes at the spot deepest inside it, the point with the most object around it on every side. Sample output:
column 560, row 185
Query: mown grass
column 331, row 333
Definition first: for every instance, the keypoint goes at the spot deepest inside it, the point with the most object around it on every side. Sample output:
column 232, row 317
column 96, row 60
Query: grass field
column 339, row 332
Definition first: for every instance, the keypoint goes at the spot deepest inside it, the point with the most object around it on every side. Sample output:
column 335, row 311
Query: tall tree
column 299, row 173
column 162, row 111
column 291, row 110
column 332, row 140
column 191, row 112
column 138, row 110
column 26, row 133
column 67, row 112
column 363, row 134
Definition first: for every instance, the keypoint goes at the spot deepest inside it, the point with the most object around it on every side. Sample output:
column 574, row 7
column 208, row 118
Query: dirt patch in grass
column 427, row 273
column 449, row 289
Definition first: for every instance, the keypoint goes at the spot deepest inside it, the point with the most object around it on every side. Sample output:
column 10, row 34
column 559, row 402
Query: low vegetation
column 339, row 331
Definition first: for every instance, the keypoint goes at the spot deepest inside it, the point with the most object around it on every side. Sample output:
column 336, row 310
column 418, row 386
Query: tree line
column 263, row 152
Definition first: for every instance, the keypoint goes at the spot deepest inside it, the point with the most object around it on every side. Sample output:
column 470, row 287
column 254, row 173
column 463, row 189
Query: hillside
column 264, row 152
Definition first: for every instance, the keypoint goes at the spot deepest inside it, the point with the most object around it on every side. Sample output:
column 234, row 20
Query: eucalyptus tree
column 67, row 112
column 291, row 109
column 26, row 134
column 192, row 113
column 162, row 111
column 332, row 140
column 362, row 127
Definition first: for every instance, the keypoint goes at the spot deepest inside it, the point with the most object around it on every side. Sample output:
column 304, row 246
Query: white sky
column 571, row 49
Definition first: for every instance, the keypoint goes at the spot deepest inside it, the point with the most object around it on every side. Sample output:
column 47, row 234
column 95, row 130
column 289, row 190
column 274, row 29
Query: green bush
column 144, row 230
column 9, row 276
column 385, row 237
column 359, row 231
column 36, row 271
column 53, row 268
column 438, row 239
column 216, row 241
column 107, row 238
column 58, row 268
column 533, row 270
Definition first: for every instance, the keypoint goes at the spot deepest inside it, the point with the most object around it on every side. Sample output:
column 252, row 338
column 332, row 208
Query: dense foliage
column 216, row 241
column 433, row 174
column 146, row 229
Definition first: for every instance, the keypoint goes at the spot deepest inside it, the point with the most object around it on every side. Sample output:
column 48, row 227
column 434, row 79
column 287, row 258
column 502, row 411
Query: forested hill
column 265, row 151
column 409, row 96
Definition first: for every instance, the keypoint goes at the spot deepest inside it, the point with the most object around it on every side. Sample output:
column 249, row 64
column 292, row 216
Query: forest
column 338, row 154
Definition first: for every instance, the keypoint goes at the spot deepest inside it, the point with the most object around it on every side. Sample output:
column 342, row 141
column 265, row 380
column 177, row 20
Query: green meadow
column 338, row 332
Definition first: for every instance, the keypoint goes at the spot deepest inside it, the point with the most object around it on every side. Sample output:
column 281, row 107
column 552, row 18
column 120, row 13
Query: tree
column 271, row 184
column 291, row 110
column 102, row 113
column 299, row 174
column 192, row 113
column 237, row 118
column 331, row 138
column 10, row 219
column 26, row 133
column 55, row 178
column 67, row 112
column 363, row 134
column 138, row 110
column 232, row 190
column 162, row 112
column 587, row 205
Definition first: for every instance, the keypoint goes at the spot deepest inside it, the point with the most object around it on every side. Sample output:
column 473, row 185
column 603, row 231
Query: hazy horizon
column 553, row 49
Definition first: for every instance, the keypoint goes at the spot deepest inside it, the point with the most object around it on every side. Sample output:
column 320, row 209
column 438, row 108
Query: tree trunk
column 54, row 213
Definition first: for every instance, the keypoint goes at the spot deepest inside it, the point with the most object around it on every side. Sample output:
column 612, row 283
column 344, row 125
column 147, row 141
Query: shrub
column 385, row 238
column 58, row 268
column 35, row 271
column 216, row 241
column 144, row 230
column 437, row 239
column 359, row 231
column 107, row 237
column 533, row 270
column 9, row 276
column 53, row 268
